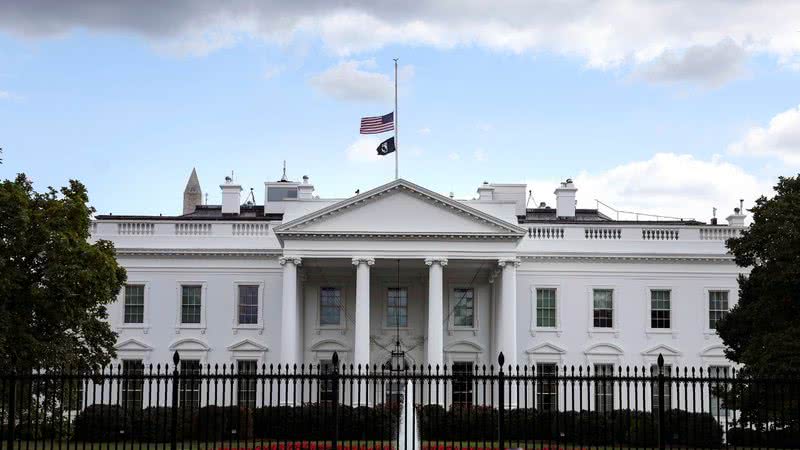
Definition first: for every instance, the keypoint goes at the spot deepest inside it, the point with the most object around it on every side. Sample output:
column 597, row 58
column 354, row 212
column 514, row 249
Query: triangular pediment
column 131, row 344
column 464, row 347
column 399, row 209
column 247, row 345
column 604, row 349
column 715, row 350
column 546, row 349
column 663, row 349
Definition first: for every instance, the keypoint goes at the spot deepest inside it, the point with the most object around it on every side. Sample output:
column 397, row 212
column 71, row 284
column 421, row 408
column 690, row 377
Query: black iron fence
column 327, row 406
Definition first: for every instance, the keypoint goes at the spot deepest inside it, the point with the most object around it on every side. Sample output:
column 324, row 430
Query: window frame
column 128, row 381
column 467, row 380
column 451, row 302
column 179, row 325
column 182, row 387
column 668, row 397
column 259, row 325
column 733, row 298
column 145, row 325
column 240, row 383
column 599, row 383
column 649, row 308
column 615, row 310
column 385, row 320
column 534, row 328
column 538, row 393
column 342, row 311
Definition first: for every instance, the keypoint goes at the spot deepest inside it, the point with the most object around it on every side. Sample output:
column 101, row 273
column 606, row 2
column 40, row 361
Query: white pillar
column 361, row 346
column 508, row 310
column 435, row 349
column 289, row 353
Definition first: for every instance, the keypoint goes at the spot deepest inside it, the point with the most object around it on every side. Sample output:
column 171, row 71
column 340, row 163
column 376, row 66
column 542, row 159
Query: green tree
column 54, row 283
column 762, row 331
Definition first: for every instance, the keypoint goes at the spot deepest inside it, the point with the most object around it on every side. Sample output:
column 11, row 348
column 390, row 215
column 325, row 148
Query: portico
column 444, row 284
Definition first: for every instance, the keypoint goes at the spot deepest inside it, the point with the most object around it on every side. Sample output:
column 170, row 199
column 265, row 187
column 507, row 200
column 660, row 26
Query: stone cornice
column 622, row 258
column 224, row 252
column 364, row 235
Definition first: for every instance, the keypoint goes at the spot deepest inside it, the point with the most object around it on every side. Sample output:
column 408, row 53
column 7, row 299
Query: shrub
column 217, row 423
column 154, row 424
column 99, row 423
column 696, row 429
column 763, row 438
column 431, row 422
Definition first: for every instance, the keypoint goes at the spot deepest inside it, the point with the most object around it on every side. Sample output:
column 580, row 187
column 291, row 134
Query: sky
column 670, row 108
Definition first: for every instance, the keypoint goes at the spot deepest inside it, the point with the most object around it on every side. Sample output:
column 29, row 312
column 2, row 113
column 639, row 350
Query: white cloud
column 364, row 149
column 675, row 37
column 454, row 156
column 781, row 138
column 271, row 72
column 424, row 131
column 5, row 95
column 711, row 65
column 349, row 81
column 480, row 155
column 668, row 184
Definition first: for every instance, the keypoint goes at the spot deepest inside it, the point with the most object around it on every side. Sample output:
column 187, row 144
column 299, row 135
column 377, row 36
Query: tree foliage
column 762, row 332
column 54, row 283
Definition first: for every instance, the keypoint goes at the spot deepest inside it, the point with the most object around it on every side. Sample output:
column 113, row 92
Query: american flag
column 377, row 124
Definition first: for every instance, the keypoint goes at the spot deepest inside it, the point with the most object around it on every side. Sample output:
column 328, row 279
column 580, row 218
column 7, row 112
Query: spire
column 193, row 194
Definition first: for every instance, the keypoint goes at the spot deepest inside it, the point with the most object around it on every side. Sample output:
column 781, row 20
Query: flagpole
column 396, row 146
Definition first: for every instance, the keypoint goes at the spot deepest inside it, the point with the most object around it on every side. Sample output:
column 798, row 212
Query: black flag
column 386, row 147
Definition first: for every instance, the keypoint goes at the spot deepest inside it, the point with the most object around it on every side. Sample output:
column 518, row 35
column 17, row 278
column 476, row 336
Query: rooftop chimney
column 305, row 190
column 486, row 192
column 737, row 218
column 231, row 196
column 565, row 199
column 192, row 195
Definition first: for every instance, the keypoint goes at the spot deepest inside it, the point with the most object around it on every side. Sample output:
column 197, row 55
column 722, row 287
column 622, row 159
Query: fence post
column 501, row 391
column 661, row 406
column 176, row 358
column 335, row 381
column 12, row 405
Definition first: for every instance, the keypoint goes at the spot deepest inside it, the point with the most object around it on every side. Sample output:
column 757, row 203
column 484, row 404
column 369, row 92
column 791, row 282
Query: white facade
column 322, row 273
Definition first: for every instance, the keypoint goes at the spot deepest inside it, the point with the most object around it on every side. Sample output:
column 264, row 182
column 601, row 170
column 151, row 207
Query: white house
column 299, row 277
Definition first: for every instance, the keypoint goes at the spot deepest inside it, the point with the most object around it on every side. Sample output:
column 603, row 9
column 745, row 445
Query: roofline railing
column 638, row 214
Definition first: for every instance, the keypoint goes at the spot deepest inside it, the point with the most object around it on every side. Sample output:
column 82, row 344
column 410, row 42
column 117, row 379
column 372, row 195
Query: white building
column 299, row 277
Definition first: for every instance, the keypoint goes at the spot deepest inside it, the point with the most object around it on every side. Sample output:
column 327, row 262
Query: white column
column 361, row 345
column 508, row 310
column 289, row 353
column 435, row 349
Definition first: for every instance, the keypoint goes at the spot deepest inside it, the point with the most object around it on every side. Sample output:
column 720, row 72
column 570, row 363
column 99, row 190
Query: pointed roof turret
column 193, row 185
column 193, row 194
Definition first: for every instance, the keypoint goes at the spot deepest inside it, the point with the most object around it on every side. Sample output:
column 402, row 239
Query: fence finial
column 501, row 359
column 176, row 358
column 335, row 359
column 660, row 363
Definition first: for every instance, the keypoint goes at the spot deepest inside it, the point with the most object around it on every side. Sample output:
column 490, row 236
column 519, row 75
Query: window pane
column 464, row 307
column 134, row 303
column 718, row 390
column 189, row 392
column 667, row 387
column 330, row 303
column 246, row 389
column 546, row 387
column 132, row 383
column 326, row 387
column 248, row 305
column 660, row 308
column 191, row 298
column 603, row 308
column 546, row 308
column 397, row 309
column 604, row 387
column 717, row 307
column 462, row 383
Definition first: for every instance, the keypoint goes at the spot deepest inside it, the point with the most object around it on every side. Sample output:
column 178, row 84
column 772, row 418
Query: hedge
column 102, row 423
column 764, row 438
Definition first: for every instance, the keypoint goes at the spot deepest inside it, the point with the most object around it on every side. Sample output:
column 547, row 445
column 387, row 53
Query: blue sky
column 676, row 118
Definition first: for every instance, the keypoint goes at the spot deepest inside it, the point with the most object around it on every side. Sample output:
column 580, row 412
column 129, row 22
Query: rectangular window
column 248, row 304
column 397, row 308
column 189, row 393
column 134, row 303
column 132, row 383
column 330, row 306
column 464, row 307
column 326, row 387
column 191, row 304
column 246, row 388
column 717, row 307
column 660, row 308
column 717, row 390
column 546, row 308
column 462, row 383
column 74, row 394
column 604, row 387
column 603, row 308
column 546, row 387
column 667, row 387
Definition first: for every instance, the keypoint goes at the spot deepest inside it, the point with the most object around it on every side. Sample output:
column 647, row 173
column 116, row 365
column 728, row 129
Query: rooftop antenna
column 206, row 198
column 530, row 198
column 741, row 204
column 251, row 198
column 283, row 177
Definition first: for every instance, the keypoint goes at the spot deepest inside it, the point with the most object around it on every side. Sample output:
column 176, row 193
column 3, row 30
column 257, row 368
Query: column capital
column 436, row 260
column 493, row 275
column 296, row 260
column 512, row 262
column 368, row 260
